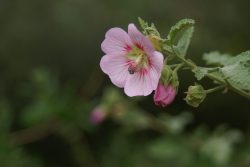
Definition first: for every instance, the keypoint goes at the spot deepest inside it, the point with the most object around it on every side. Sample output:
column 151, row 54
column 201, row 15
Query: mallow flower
column 131, row 61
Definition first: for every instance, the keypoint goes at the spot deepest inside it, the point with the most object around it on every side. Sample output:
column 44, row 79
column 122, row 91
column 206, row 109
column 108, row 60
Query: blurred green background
column 51, row 81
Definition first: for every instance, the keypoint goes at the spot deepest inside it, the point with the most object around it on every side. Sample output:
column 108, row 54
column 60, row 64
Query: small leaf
column 216, row 58
column 149, row 30
column 152, row 30
column 143, row 24
column 180, row 35
column 201, row 72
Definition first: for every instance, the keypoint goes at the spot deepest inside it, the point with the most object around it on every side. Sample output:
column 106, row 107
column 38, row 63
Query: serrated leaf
column 175, row 30
column 153, row 30
column 184, row 41
column 242, row 57
column 216, row 58
column 238, row 74
column 180, row 35
column 236, row 69
column 143, row 24
column 148, row 30
column 200, row 72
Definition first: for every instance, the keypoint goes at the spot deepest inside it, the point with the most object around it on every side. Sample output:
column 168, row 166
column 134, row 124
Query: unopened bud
column 167, row 87
column 195, row 95
column 164, row 95
column 98, row 115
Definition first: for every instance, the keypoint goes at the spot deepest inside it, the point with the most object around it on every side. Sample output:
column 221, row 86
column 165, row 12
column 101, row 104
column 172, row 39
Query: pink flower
column 131, row 61
column 164, row 95
column 97, row 116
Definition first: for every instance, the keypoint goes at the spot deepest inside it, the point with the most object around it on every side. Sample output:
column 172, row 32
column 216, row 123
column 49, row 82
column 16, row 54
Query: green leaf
column 180, row 35
column 201, row 72
column 216, row 58
column 143, row 24
column 178, row 27
column 242, row 57
column 238, row 74
column 235, row 70
column 149, row 30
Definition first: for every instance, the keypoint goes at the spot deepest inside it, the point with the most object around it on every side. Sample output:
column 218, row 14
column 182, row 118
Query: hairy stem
column 215, row 89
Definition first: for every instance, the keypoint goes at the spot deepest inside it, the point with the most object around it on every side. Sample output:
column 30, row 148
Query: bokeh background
column 51, row 81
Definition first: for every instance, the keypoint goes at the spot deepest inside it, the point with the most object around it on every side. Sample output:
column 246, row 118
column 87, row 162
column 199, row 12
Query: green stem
column 182, row 59
column 215, row 89
column 174, row 65
column 178, row 67
column 192, row 66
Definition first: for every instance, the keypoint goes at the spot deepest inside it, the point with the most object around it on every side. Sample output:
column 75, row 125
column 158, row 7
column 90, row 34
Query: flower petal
column 139, row 39
column 116, row 41
column 156, row 60
column 143, row 83
column 116, row 67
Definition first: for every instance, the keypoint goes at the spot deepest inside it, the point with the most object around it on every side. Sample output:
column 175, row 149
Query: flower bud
column 97, row 116
column 164, row 95
column 167, row 88
column 195, row 95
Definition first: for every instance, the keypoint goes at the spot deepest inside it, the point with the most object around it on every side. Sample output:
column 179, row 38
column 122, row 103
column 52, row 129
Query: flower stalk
column 215, row 89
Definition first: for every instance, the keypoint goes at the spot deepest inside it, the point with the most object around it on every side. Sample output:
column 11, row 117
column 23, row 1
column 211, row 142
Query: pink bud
column 164, row 95
column 97, row 116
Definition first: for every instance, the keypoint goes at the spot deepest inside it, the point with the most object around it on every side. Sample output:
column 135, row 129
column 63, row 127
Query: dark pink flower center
column 138, row 60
